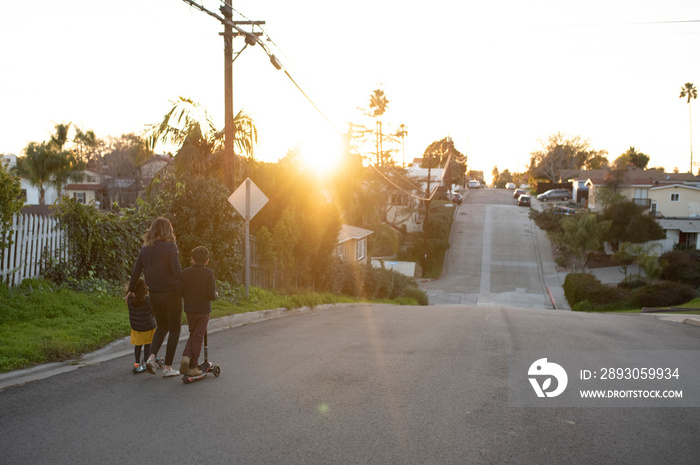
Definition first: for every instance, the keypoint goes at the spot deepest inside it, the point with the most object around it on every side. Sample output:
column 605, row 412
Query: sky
column 498, row 77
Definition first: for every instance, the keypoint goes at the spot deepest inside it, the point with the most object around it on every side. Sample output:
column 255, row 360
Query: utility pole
column 251, row 38
column 229, row 131
column 232, row 30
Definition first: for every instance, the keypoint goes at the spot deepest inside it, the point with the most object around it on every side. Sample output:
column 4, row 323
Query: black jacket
column 160, row 265
column 140, row 316
column 197, row 287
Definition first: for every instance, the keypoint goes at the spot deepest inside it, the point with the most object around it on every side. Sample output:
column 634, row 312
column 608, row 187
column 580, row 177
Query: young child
column 143, row 325
column 197, row 287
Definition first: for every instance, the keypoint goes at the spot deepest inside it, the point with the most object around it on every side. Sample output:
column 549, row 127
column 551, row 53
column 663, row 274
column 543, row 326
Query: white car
column 474, row 184
column 510, row 185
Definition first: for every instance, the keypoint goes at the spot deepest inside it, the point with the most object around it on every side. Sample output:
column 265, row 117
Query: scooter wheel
column 217, row 370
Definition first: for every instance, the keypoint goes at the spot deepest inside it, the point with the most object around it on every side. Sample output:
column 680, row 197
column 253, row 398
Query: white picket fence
column 31, row 235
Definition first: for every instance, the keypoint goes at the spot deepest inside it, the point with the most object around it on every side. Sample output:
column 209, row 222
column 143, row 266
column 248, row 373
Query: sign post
column 247, row 199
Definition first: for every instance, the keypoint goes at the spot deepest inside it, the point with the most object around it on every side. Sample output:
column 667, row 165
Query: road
column 377, row 384
column 494, row 256
column 372, row 384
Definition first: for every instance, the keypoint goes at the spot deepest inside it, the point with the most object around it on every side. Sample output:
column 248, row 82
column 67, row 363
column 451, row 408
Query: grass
column 688, row 308
column 42, row 323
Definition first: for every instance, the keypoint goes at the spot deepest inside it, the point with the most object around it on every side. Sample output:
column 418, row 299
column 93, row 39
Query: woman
column 159, row 262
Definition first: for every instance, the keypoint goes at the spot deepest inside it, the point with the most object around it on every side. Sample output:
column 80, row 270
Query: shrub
column 416, row 293
column 583, row 306
column 584, row 286
column 662, row 294
column 365, row 281
column 632, row 283
column 682, row 266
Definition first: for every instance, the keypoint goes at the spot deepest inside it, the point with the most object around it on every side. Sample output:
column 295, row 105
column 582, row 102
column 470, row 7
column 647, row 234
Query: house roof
column 573, row 175
column 639, row 177
column 82, row 187
column 675, row 186
column 348, row 232
column 686, row 225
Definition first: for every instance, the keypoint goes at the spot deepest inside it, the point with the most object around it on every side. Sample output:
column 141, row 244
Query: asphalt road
column 372, row 384
column 494, row 256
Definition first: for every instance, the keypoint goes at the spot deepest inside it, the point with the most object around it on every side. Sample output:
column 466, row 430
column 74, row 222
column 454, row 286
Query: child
column 143, row 325
column 197, row 287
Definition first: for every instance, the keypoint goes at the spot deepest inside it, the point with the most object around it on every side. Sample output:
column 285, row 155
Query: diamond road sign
column 248, row 191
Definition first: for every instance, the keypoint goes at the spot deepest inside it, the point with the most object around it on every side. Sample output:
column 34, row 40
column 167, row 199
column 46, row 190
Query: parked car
column 474, row 184
column 559, row 210
column 510, row 185
column 554, row 194
column 524, row 200
column 518, row 192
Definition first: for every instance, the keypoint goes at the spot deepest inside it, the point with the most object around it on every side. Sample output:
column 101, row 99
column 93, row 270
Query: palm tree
column 35, row 167
column 378, row 104
column 689, row 91
column 49, row 164
column 188, row 126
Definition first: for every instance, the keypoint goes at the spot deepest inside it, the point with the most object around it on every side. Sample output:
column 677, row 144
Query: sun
column 321, row 152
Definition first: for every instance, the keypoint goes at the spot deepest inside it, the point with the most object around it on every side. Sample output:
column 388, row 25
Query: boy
column 197, row 287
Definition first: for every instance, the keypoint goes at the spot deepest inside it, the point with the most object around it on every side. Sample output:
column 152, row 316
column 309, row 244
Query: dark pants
column 198, row 328
column 146, row 352
column 167, row 310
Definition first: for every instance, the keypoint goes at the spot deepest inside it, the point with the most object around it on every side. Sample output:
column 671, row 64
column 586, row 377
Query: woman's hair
column 140, row 291
column 160, row 230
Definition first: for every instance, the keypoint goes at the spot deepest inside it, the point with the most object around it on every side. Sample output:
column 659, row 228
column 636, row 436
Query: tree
column 48, row 163
column 633, row 158
column 437, row 155
column 88, row 148
column 583, row 234
column 37, row 167
column 597, row 161
column 560, row 153
column 631, row 224
column 688, row 91
column 10, row 202
column 200, row 213
column 188, row 126
column 495, row 176
column 125, row 159
column 378, row 104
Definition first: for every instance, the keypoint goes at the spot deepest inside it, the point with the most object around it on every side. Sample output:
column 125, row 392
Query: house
column 675, row 201
column 352, row 244
column 96, row 184
column 87, row 191
column 635, row 184
column 681, row 232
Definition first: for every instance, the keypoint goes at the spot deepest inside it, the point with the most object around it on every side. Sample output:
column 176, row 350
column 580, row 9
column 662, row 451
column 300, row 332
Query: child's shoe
column 139, row 368
column 195, row 372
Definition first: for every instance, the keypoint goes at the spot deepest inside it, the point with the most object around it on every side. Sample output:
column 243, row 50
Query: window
column 361, row 249
column 675, row 197
column 340, row 251
column 79, row 197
